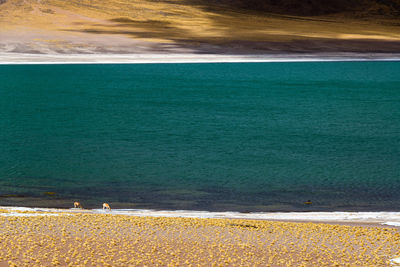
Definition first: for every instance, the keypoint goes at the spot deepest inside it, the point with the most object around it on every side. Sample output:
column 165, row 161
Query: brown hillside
column 220, row 26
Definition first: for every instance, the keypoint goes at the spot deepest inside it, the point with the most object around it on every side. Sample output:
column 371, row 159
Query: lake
column 218, row 137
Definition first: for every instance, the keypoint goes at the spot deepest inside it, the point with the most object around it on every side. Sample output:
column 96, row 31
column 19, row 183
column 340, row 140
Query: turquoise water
column 242, row 136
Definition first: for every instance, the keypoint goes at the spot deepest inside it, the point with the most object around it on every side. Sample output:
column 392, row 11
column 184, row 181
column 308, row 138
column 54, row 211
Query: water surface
column 237, row 136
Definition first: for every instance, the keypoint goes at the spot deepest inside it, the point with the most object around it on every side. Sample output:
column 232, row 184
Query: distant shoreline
column 22, row 58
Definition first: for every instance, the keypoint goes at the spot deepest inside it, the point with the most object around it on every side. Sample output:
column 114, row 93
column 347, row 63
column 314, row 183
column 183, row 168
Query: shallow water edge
column 384, row 218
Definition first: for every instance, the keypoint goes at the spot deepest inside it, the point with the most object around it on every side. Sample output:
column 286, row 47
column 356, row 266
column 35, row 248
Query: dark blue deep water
column 242, row 137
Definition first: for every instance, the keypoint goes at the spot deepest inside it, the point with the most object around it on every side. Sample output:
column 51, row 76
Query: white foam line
column 392, row 223
column 370, row 217
column 25, row 209
column 387, row 218
column 8, row 58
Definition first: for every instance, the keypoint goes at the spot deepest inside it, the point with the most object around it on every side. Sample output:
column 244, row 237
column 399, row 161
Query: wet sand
column 75, row 238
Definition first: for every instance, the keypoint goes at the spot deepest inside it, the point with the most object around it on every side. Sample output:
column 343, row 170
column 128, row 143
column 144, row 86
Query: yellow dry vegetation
column 116, row 240
column 179, row 20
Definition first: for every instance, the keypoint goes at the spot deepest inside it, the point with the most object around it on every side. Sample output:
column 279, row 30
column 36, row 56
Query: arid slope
column 134, row 26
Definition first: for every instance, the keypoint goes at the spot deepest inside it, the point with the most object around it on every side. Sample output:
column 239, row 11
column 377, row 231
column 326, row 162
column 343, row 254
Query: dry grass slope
column 194, row 24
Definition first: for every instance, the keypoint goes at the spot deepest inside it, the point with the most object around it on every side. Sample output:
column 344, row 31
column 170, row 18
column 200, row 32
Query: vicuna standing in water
column 78, row 205
column 106, row 206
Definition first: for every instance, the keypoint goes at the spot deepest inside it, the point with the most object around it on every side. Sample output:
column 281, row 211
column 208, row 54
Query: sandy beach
column 37, row 237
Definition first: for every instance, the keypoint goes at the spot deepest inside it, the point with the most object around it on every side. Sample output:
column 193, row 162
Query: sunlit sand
column 32, row 238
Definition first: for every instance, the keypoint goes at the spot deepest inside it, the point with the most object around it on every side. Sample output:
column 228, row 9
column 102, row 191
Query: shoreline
column 387, row 219
column 153, row 58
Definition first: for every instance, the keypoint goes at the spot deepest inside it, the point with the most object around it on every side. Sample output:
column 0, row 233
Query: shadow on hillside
column 140, row 29
column 302, row 7
column 221, row 14
column 179, row 39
